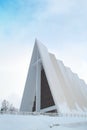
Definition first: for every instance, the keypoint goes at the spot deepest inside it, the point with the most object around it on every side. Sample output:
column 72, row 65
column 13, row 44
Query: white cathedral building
column 51, row 86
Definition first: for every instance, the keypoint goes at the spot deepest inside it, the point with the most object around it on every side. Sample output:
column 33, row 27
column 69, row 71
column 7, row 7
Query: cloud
column 67, row 6
column 66, row 19
column 22, row 10
column 59, row 24
column 60, row 6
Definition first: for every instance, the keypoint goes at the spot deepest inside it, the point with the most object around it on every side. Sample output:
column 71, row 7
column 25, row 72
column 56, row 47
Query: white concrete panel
column 68, row 86
column 77, row 94
column 38, row 87
column 61, row 75
column 30, row 89
column 81, row 90
column 51, row 76
column 84, row 87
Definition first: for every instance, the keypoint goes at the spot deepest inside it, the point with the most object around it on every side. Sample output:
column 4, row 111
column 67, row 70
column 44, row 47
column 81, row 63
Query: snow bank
column 42, row 122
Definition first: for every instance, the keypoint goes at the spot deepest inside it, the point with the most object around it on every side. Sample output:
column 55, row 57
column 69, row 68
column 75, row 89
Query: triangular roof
column 68, row 91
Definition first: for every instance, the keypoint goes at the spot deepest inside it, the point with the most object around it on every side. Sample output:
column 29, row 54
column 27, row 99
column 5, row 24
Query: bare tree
column 7, row 107
column 12, row 108
column 4, row 106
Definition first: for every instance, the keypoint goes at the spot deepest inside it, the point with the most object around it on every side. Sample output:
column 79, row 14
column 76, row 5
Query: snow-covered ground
column 42, row 122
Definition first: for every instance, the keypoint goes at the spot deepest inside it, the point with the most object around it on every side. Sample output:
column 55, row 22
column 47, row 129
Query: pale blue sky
column 59, row 24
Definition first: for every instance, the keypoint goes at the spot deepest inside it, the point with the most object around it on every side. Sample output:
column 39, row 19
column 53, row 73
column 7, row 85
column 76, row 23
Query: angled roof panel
column 68, row 91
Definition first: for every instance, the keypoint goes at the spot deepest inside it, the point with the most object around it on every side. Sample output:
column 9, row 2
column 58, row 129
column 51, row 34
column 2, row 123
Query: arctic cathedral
column 51, row 86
